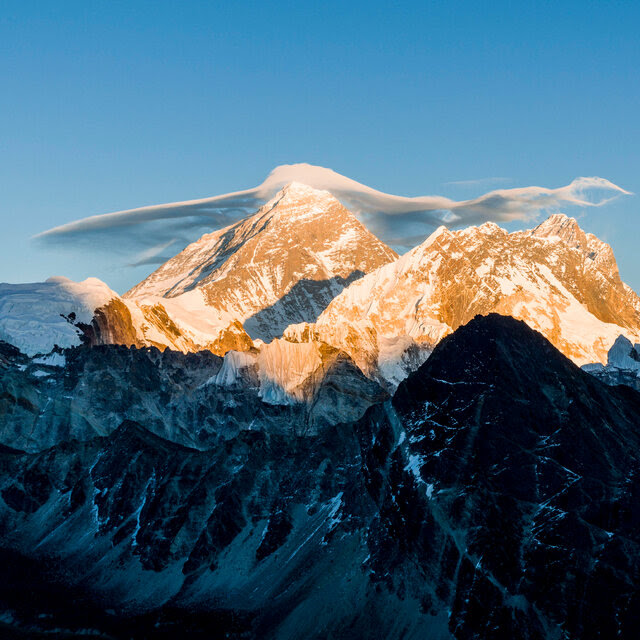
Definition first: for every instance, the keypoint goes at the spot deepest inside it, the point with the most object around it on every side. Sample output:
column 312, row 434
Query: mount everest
column 281, row 266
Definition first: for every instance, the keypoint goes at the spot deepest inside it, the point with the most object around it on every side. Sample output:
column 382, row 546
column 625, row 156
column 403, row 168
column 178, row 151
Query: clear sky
column 112, row 105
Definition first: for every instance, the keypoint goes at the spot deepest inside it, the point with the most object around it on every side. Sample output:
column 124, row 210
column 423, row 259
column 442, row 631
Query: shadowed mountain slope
column 495, row 496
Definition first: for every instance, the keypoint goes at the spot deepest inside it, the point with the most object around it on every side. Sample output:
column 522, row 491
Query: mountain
column 36, row 316
column 59, row 313
column 298, row 268
column 561, row 281
column 301, row 260
column 493, row 497
column 192, row 399
column 303, row 245
column 622, row 367
column 282, row 265
column 529, row 466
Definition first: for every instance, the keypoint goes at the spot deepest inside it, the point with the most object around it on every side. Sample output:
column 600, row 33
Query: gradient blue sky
column 112, row 105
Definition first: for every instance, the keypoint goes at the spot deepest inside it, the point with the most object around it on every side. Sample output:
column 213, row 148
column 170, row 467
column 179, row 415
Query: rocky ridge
column 559, row 280
column 192, row 399
column 493, row 497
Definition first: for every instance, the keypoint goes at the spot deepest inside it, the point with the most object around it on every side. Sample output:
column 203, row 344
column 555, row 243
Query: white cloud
column 398, row 220
column 152, row 255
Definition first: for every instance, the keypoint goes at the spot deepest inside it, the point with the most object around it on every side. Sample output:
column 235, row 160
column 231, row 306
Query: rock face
column 533, row 496
column 281, row 266
column 624, row 355
column 191, row 399
column 558, row 279
column 494, row 496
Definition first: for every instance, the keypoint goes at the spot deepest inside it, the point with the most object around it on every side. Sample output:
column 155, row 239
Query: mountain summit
column 560, row 280
column 560, row 226
column 282, row 265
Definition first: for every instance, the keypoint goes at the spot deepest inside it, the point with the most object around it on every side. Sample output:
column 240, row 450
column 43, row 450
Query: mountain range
column 289, row 431
column 303, row 269
column 494, row 496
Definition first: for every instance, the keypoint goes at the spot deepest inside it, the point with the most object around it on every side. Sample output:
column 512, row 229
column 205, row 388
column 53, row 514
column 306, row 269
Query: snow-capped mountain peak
column 296, row 190
column 280, row 266
column 561, row 227
column 36, row 316
column 557, row 278
column 488, row 228
column 297, row 200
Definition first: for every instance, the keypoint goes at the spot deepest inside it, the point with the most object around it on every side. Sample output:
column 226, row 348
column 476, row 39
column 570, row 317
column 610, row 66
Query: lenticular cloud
column 399, row 220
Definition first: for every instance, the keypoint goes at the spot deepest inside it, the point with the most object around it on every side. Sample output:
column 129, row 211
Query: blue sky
column 111, row 105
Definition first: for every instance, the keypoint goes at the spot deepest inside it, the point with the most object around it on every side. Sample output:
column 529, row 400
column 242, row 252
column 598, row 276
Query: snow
column 507, row 286
column 485, row 268
column 326, row 517
column 284, row 367
column 233, row 366
column 189, row 311
column 283, row 370
column 53, row 359
column 577, row 324
column 391, row 351
column 414, row 465
column 523, row 274
column 621, row 355
column 31, row 313
column 332, row 258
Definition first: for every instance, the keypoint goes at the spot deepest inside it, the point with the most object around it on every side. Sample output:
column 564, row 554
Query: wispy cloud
column 152, row 255
column 399, row 220
column 478, row 182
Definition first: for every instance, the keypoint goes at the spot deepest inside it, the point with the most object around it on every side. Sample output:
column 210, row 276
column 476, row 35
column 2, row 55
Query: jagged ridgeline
column 289, row 431
column 303, row 269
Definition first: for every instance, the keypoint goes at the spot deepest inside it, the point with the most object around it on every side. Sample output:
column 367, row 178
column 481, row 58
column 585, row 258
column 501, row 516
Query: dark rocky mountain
column 494, row 496
column 192, row 399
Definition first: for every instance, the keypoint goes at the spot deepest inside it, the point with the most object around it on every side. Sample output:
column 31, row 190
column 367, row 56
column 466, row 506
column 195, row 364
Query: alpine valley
column 289, row 431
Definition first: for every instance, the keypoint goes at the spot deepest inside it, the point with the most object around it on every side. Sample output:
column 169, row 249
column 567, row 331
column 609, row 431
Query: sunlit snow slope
column 282, row 265
column 560, row 280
